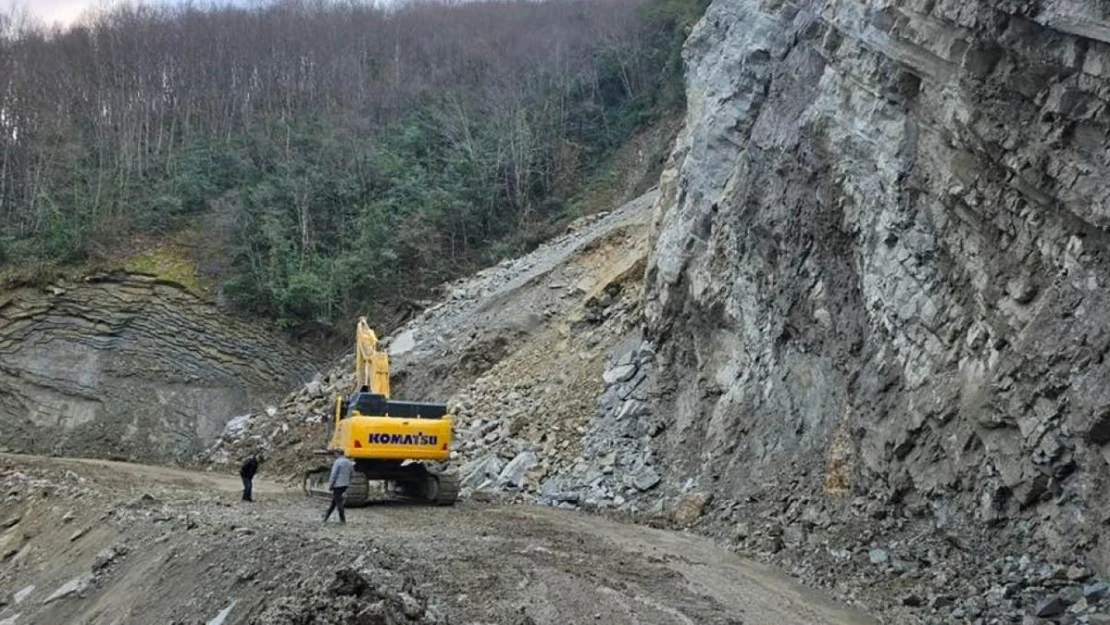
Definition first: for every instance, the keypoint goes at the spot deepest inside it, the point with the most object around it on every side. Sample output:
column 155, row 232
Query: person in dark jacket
column 247, row 471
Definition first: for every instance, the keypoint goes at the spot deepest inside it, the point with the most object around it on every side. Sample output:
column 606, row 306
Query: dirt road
column 194, row 549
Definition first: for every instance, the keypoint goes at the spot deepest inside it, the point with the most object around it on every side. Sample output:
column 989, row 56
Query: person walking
column 247, row 471
column 340, row 479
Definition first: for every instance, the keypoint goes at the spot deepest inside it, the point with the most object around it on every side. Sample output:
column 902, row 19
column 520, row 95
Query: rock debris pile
column 517, row 353
column 349, row 598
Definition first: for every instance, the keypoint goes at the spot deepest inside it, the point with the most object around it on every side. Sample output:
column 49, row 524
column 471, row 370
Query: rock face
column 127, row 366
column 880, row 262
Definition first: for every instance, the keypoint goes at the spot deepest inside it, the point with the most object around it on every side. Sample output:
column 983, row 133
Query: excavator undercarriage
column 409, row 482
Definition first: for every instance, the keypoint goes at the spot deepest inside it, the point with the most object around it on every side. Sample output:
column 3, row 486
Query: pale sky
column 50, row 11
column 66, row 11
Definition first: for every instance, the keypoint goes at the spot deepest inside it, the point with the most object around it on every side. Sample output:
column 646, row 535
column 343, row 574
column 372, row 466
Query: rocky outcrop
column 132, row 367
column 880, row 265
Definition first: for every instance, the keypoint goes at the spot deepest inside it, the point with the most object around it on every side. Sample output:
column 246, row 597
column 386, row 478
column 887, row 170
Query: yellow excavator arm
column 371, row 364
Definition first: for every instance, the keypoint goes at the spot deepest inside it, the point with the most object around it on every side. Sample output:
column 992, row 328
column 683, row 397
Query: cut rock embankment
column 128, row 366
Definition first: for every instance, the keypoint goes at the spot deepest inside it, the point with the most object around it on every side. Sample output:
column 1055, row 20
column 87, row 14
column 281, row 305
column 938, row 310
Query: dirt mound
column 350, row 598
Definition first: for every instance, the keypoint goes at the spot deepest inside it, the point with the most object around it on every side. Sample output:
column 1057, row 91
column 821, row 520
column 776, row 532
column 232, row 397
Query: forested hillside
column 332, row 157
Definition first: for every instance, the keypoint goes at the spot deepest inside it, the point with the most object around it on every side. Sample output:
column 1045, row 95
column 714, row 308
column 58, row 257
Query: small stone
column 145, row 500
column 69, row 516
column 743, row 531
column 941, row 601
column 75, row 586
column 1051, row 606
column 1051, row 571
column 794, row 535
column 515, row 472
column 621, row 373
column 690, row 507
column 410, row 606
column 1094, row 592
column 1022, row 290
column 630, row 408
column 485, row 496
column 104, row 558
column 23, row 593
column 878, row 556
column 1078, row 573
column 476, row 473
column 645, row 479
column 78, row 534
column 246, row 575
column 10, row 522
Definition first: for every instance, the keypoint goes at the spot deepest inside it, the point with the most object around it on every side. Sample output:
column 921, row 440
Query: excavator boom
column 371, row 364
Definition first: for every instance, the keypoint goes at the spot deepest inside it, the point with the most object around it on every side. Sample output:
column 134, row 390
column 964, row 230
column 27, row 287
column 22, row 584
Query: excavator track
column 440, row 489
column 358, row 492
column 429, row 487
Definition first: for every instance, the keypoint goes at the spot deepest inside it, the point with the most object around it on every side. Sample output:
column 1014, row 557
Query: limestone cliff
column 881, row 260
column 129, row 366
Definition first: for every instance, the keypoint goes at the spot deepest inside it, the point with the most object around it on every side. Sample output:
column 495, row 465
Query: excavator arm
column 371, row 363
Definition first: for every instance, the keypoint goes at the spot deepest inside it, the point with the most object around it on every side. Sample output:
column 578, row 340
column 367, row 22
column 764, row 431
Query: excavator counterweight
column 390, row 441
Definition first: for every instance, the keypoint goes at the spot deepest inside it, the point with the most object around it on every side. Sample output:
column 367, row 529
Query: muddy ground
column 136, row 544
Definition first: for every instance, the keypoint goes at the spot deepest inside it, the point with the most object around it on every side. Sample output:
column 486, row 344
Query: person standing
column 247, row 471
column 340, row 479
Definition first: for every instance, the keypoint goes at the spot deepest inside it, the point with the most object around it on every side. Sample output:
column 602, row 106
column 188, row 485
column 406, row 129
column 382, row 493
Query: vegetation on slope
column 332, row 156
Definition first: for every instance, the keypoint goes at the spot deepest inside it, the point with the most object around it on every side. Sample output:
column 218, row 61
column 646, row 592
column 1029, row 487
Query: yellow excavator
column 392, row 442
